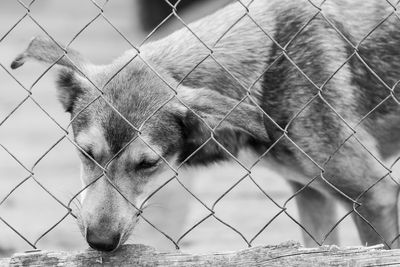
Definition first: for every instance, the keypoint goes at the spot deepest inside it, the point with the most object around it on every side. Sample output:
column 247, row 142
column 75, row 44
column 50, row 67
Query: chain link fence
column 64, row 131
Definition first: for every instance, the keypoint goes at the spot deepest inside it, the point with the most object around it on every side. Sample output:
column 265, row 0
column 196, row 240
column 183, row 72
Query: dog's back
column 315, row 73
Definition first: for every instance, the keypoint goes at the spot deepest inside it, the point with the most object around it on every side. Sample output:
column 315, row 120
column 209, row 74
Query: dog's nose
column 102, row 243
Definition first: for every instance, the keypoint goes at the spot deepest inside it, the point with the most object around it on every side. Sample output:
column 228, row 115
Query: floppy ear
column 45, row 49
column 210, row 109
column 75, row 66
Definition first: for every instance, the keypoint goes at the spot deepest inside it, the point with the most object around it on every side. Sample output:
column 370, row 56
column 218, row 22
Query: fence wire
column 248, row 97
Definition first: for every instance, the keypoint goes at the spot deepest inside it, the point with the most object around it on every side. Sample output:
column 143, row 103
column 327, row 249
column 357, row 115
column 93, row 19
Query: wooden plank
column 287, row 254
column 4, row 262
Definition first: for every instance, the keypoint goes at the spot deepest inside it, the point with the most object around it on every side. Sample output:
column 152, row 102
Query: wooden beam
column 4, row 262
column 287, row 254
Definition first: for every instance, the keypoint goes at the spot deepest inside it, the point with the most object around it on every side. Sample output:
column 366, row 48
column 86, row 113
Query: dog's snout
column 102, row 242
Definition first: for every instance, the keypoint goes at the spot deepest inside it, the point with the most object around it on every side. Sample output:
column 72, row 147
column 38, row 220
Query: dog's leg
column 317, row 214
column 362, row 178
column 379, row 211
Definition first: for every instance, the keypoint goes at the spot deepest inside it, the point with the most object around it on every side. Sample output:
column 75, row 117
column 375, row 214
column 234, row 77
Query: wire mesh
column 248, row 95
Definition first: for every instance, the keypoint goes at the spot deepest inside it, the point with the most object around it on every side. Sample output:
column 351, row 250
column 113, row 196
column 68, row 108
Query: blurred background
column 30, row 136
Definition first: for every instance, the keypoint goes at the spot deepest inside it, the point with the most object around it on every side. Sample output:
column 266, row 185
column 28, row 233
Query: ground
column 29, row 133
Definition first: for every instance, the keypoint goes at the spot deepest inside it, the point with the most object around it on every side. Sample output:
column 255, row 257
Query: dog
column 310, row 87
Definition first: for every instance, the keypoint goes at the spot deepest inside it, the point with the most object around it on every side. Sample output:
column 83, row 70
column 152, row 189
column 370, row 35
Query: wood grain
column 287, row 254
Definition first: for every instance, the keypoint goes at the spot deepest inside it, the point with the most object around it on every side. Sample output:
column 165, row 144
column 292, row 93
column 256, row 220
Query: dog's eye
column 147, row 164
column 87, row 154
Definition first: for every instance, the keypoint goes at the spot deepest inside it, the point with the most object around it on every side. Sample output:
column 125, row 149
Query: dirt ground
column 29, row 133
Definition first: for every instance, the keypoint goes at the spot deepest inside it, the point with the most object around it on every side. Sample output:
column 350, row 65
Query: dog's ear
column 74, row 67
column 204, row 109
column 45, row 49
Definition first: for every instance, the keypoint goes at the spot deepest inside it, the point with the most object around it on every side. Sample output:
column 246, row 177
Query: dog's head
column 131, row 128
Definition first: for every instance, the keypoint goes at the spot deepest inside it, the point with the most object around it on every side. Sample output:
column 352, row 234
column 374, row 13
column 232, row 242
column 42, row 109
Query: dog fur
column 316, row 88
